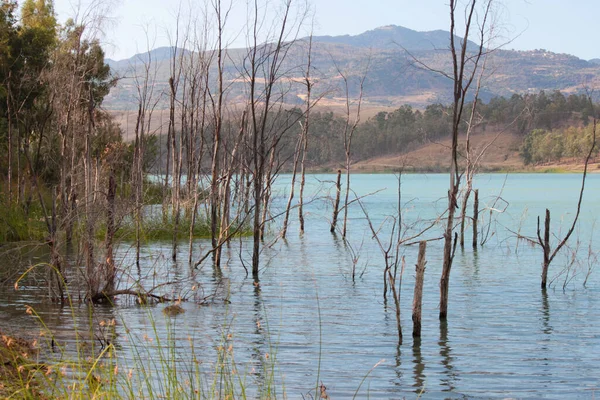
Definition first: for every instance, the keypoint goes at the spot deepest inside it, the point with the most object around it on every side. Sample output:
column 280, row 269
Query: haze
column 555, row 25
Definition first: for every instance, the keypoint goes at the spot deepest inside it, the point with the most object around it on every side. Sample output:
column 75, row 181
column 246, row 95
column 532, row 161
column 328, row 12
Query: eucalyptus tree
column 29, row 106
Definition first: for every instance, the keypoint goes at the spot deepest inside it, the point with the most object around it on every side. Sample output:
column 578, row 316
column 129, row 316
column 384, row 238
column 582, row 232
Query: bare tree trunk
column 267, row 191
column 20, row 181
column 264, row 67
column 174, row 154
column 292, row 187
column 176, row 67
column 56, row 278
column 146, row 103
column 449, row 248
column 336, row 203
column 224, row 230
column 396, row 294
column 546, row 248
column 475, row 217
column 92, row 275
column 463, row 212
column 464, row 69
column 349, row 130
column 418, row 295
column 110, row 232
column 201, row 119
column 10, row 139
column 305, row 130
column 545, row 243
column 136, row 181
column 165, row 203
column 346, row 196
column 471, row 161
column 216, row 153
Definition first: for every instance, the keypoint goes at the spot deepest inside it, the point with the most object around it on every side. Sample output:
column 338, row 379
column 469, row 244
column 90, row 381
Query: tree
column 8, row 35
column 268, row 121
column 465, row 65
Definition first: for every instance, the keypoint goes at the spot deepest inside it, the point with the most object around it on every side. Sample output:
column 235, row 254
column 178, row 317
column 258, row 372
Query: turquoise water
column 504, row 337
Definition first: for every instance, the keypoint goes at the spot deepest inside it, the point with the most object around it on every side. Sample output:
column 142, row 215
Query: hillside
column 501, row 156
column 393, row 77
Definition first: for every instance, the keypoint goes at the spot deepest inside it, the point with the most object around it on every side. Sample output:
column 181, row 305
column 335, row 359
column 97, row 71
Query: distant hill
column 393, row 77
column 393, row 37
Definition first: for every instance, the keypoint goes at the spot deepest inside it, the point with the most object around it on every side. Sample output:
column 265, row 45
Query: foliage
column 541, row 146
column 18, row 224
column 406, row 128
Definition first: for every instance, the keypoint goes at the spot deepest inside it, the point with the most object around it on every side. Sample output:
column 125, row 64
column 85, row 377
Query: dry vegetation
column 502, row 156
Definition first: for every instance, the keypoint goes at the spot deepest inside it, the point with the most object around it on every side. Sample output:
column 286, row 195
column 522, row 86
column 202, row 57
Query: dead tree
column 464, row 68
column 173, row 149
column 391, row 252
column 418, row 294
column 262, row 70
column 304, row 141
column 147, row 101
column 475, row 217
column 544, row 242
column 217, row 115
column 300, row 153
column 471, row 162
column 200, row 73
column 336, row 202
column 348, row 134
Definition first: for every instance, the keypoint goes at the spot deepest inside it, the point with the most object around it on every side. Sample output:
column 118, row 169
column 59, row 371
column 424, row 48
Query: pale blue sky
column 562, row 26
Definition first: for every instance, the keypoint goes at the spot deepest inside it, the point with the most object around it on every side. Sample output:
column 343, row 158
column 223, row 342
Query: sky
column 561, row 26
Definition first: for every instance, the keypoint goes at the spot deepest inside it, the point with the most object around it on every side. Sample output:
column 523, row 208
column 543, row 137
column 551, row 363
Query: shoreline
column 593, row 168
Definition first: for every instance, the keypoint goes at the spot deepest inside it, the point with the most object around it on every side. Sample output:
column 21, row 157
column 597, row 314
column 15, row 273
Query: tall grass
column 156, row 371
column 17, row 225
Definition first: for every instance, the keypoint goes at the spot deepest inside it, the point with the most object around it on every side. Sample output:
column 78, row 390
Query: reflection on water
column 503, row 337
column 546, row 327
column 418, row 367
column 447, row 359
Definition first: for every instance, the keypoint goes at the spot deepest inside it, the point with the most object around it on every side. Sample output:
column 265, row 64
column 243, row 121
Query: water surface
column 504, row 337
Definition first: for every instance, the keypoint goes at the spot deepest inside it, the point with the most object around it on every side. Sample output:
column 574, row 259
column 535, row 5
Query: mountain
column 160, row 55
column 395, row 38
column 394, row 77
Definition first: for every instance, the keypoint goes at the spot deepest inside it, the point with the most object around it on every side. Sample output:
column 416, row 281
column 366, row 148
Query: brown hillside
column 502, row 154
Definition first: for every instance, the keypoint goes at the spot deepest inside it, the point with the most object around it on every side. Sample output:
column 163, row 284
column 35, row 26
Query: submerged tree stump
column 475, row 217
column 418, row 296
column 336, row 204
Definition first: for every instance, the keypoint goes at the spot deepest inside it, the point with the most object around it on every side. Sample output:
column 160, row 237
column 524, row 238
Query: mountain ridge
column 393, row 78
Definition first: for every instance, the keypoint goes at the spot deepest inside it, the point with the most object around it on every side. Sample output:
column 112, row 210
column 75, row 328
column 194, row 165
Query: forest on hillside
column 406, row 128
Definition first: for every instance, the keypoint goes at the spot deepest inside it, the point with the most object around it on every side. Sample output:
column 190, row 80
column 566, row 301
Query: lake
column 504, row 336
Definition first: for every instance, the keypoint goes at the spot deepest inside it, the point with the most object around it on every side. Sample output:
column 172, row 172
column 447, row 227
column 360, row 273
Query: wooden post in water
column 418, row 296
column 475, row 217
